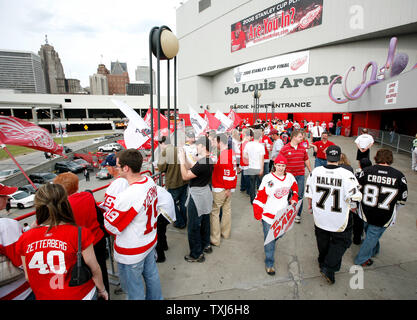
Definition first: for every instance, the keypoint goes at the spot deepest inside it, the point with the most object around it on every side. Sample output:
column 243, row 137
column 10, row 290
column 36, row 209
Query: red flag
column 18, row 132
column 122, row 143
column 163, row 126
column 213, row 122
column 236, row 119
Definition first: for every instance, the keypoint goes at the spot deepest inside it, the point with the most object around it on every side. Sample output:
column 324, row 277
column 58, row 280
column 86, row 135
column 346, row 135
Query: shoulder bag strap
column 79, row 248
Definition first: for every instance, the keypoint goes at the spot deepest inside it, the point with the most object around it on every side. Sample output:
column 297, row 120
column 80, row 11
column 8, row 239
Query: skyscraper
column 142, row 76
column 99, row 84
column 52, row 67
column 118, row 78
column 21, row 70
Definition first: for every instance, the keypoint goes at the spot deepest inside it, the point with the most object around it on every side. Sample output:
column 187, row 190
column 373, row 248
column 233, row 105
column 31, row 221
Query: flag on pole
column 225, row 122
column 235, row 118
column 18, row 132
column 137, row 132
column 213, row 122
column 284, row 220
column 163, row 125
column 198, row 123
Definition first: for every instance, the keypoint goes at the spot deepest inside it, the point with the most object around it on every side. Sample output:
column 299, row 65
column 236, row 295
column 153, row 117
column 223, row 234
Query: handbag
column 81, row 273
column 8, row 272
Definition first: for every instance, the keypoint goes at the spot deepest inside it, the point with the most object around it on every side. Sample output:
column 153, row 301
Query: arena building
column 290, row 51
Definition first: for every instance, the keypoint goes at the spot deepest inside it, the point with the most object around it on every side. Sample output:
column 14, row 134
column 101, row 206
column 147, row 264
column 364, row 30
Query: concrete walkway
column 235, row 270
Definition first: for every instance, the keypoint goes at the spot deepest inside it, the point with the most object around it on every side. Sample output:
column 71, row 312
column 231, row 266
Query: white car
column 99, row 139
column 110, row 147
column 4, row 174
column 21, row 200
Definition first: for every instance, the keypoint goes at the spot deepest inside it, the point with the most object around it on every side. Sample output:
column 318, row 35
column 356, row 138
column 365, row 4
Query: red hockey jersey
column 224, row 172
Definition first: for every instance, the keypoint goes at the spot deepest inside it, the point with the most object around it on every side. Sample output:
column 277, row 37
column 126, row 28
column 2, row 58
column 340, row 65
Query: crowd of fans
column 200, row 178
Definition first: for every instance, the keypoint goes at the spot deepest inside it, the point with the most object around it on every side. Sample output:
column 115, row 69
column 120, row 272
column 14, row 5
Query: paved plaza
column 235, row 270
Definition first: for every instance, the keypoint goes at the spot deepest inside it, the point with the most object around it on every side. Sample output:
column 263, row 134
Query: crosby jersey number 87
column 384, row 188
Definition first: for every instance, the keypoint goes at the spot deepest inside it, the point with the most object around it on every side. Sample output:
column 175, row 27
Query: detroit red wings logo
column 309, row 17
column 19, row 132
column 298, row 63
column 281, row 192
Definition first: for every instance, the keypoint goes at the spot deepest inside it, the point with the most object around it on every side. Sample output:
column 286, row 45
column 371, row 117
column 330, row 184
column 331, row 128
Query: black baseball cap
column 333, row 153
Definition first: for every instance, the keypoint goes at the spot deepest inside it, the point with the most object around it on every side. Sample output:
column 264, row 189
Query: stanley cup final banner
column 279, row 20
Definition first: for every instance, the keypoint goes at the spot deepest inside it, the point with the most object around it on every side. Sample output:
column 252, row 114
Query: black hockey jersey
column 384, row 188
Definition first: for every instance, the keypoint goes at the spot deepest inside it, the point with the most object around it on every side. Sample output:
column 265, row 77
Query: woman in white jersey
column 278, row 189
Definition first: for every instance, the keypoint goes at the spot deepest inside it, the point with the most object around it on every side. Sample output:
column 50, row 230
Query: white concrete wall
column 205, row 61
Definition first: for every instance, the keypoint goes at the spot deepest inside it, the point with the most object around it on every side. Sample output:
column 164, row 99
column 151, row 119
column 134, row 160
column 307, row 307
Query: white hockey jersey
column 166, row 205
column 332, row 189
column 132, row 220
column 117, row 186
column 10, row 231
column 273, row 196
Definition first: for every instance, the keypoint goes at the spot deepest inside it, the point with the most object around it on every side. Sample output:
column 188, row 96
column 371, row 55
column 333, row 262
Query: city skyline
column 86, row 34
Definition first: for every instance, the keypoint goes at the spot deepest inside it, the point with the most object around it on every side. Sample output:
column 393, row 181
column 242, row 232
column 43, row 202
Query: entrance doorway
column 290, row 116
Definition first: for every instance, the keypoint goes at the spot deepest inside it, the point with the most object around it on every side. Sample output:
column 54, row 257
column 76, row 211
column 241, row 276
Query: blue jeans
column 244, row 182
column 198, row 230
column 270, row 247
column 370, row 246
column 266, row 168
column 319, row 162
column 300, row 183
column 132, row 276
column 338, row 130
column 254, row 182
column 180, row 195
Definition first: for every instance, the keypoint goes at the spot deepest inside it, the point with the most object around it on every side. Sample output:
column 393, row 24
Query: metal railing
column 400, row 142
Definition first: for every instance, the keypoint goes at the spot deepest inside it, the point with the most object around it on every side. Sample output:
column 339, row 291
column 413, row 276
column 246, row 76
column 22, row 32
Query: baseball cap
column 280, row 159
column 273, row 131
column 333, row 153
column 5, row 190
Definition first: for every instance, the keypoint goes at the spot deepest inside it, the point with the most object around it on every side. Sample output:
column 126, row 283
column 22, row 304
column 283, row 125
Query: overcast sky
column 86, row 32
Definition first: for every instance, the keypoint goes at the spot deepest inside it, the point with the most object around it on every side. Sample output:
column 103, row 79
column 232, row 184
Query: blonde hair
column 52, row 206
column 344, row 159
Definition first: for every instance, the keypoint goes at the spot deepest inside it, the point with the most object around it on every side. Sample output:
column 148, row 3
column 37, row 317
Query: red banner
column 235, row 118
column 213, row 122
column 18, row 132
column 279, row 20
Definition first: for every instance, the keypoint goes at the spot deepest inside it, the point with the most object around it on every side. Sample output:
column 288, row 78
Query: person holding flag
column 278, row 189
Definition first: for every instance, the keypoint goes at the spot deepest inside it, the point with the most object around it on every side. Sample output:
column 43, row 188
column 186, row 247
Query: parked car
column 21, row 200
column 99, row 139
column 4, row 174
column 68, row 166
column 29, row 188
column 110, row 136
column 103, row 174
column 42, row 177
column 83, row 163
column 110, row 147
column 67, row 149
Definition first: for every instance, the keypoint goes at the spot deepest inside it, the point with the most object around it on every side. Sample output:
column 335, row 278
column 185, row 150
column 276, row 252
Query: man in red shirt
column 224, row 180
column 338, row 127
column 320, row 148
column 297, row 158
column 238, row 38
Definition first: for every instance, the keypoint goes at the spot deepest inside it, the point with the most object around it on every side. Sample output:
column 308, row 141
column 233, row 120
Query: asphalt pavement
column 236, row 271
